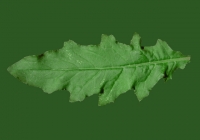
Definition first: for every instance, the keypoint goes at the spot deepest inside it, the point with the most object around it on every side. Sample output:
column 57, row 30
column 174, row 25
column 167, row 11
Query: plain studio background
column 170, row 112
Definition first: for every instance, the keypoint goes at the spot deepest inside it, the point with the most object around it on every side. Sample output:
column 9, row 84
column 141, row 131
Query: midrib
column 126, row 66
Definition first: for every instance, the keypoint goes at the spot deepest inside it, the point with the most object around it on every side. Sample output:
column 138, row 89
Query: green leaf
column 108, row 69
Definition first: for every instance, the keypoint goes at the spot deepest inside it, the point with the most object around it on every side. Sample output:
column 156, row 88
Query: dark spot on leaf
column 101, row 91
column 142, row 47
column 64, row 87
column 40, row 56
column 116, row 41
column 165, row 75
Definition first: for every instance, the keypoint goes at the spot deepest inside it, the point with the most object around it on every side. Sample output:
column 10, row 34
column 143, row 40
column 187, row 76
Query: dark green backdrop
column 171, row 112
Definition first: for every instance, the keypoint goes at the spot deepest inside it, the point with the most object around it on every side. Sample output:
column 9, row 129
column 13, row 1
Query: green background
column 170, row 112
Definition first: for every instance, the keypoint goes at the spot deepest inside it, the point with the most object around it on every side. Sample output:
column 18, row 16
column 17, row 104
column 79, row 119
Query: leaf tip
column 136, row 34
column 9, row 69
column 135, row 41
column 70, row 44
column 141, row 94
column 189, row 57
column 105, row 37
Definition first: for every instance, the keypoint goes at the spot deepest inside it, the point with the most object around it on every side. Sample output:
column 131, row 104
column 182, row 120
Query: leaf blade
column 111, row 66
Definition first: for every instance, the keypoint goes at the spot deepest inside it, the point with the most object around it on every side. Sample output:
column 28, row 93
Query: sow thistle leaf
column 108, row 69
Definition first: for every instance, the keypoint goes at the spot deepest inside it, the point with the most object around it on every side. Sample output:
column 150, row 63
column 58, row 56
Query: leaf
column 108, row 69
